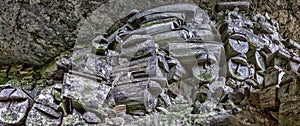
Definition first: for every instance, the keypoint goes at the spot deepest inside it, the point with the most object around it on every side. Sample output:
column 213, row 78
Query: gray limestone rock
column 43, row 115
column 14, row 104
column 85, row 91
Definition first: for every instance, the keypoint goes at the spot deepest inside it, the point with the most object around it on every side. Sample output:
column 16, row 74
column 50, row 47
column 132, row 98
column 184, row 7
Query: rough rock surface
column 286, row 12
column 33, row 32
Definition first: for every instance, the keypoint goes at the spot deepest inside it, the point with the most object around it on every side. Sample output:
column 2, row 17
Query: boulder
column 86, row 91
column 39, row 30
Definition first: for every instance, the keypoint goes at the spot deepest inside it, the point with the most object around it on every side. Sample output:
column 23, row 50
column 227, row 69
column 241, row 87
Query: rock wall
column 286, row 12
column 33, row 32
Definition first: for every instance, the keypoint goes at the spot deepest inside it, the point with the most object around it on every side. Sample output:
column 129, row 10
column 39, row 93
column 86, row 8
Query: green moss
column 57, row 97
column 63, row 107
column 30, row 77
column 133, row 105
column 101, row 50
column 15, row 81
column 14, row 72
column 77, row 105
column 206, row 76
column 3, row 80
column 50, row 67
column 41, row 82
column 3, row 74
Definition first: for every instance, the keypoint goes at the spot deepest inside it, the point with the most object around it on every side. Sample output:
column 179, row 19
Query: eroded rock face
column 34, row 32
